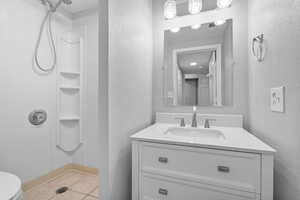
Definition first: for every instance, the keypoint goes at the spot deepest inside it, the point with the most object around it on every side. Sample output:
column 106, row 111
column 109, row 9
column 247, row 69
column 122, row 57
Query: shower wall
column 26, row 150
column 86, row 24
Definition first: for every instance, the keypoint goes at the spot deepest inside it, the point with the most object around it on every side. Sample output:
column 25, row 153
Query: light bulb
column 193, row 64
column 170, row 9
column 195, row 6
column 220, row 22
column 196, row 26
column 175, row 30
column 224, row 3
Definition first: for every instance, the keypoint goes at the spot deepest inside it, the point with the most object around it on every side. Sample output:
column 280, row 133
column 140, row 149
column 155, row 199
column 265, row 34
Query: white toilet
column 10, row 187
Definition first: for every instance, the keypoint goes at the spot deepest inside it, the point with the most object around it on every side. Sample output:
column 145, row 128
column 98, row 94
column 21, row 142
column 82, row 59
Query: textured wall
column 279, row 21
column 130, row 85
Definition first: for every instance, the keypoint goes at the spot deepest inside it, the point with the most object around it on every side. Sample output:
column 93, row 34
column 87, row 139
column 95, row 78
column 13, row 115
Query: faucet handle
column 182, row 122
column 206, row 122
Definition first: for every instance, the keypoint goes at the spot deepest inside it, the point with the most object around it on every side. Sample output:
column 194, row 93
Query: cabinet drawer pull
column 163, row 160
column 223, row 169
column 163, row 191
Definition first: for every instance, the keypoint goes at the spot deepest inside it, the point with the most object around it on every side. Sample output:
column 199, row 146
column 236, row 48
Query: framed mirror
column 198, row 65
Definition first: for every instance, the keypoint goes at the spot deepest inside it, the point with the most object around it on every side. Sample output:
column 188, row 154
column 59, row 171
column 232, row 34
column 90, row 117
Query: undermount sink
column 196, row 133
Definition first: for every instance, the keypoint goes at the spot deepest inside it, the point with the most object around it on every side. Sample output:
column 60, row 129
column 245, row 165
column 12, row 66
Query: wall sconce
column 259, row 47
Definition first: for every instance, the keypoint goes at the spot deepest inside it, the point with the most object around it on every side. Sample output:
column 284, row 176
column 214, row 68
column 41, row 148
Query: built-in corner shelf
column 69, row 118
column 69, row 73
column 69, row 93
column 69, row 87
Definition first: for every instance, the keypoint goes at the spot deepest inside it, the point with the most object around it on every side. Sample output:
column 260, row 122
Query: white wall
column 87, row 26
column 130, row 85
column 240, row 75
column 279, row 21
column 25, row 150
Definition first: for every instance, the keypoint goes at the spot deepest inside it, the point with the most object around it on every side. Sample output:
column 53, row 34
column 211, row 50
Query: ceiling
column 202, row 59
column 78, row 5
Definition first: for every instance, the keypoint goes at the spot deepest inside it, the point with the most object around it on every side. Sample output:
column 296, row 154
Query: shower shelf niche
column 65, row 73
column 69, row 90
column 69, row 87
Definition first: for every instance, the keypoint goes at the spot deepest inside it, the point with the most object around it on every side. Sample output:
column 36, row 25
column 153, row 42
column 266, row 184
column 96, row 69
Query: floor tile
column 81, row 186
column 86, row 185
column 41, row 192
column 95, row 193
column 67, row 180
column 90, row 198
column 69, row 195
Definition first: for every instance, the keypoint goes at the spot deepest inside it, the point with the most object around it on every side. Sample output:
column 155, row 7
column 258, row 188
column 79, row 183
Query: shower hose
column 48, row 18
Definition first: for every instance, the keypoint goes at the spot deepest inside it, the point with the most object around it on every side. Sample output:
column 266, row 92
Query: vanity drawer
column 153, row 188
column 233, row 170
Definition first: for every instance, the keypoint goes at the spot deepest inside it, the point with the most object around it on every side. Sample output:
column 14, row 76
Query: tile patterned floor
column 82, row 186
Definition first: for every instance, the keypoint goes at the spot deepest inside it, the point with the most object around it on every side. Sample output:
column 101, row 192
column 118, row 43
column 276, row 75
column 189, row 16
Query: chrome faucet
column 182, row 122
column 206, row 122
column 194, row 120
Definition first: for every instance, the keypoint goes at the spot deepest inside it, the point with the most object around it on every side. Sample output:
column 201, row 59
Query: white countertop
column 236, row 139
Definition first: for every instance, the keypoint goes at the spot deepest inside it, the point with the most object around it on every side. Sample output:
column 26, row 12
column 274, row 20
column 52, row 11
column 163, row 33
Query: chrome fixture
column 206, row 122
column 37, row 117
column 182, row 122
column 51, row 8
column 259, row 48
column 194, row 120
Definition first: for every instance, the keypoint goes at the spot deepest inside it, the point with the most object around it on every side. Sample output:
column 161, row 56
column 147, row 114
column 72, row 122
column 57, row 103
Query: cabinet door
column 159, row 188
column 235, row 170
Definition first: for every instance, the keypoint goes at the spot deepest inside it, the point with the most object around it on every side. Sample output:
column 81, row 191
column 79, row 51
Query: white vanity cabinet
column 162, row 171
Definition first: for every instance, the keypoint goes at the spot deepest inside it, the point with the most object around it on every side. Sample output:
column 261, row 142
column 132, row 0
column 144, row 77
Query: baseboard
column 90, row 170
column 52, row 174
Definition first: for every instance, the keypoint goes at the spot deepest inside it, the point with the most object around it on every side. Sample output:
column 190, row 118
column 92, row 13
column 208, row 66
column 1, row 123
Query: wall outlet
column 278, row 99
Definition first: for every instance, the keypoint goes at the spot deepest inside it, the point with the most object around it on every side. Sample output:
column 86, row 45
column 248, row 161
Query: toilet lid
column 10, row 185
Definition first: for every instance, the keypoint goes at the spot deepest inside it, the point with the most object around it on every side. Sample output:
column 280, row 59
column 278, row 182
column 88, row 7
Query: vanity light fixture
column 196, row 26
column 175, row 30
column 195, row 6
column 220, row 22
column 170, row 9
column 224, row 3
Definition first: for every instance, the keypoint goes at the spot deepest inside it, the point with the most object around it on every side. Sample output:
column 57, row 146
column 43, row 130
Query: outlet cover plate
column 278, row 99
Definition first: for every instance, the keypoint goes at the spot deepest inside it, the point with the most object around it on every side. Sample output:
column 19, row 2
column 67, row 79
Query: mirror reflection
column 198, row 64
